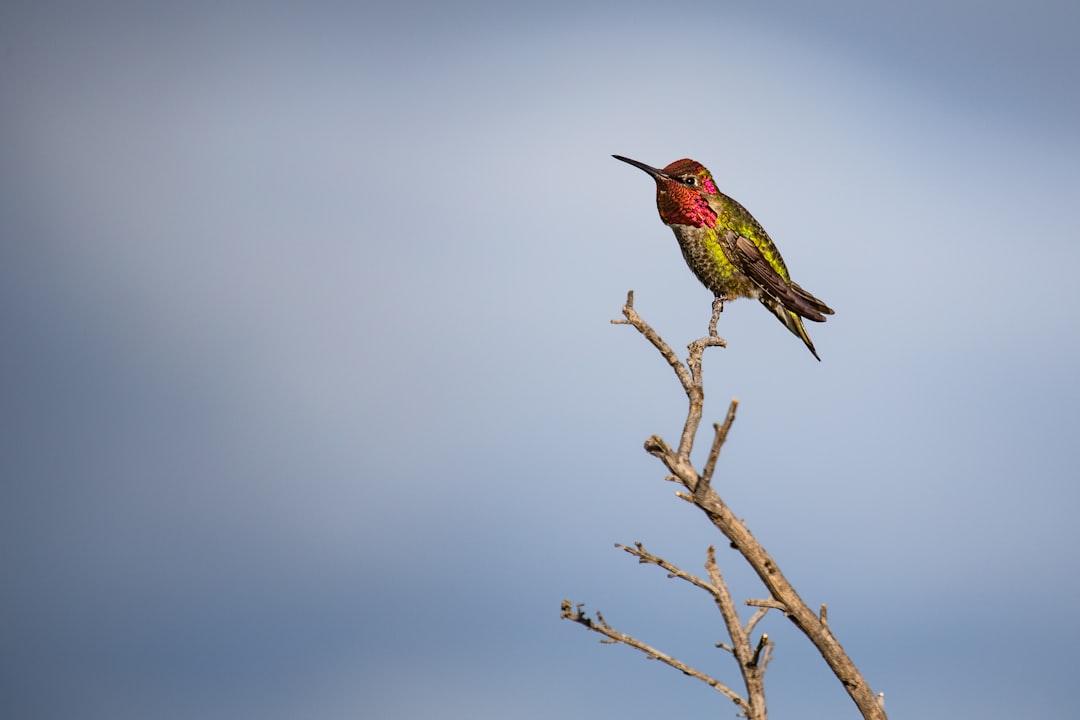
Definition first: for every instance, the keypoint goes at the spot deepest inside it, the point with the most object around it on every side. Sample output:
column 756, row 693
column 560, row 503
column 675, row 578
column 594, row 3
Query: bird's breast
column 705, row 254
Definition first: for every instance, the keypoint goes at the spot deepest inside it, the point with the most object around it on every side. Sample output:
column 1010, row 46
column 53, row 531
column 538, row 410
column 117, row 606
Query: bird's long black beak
column 642, row 166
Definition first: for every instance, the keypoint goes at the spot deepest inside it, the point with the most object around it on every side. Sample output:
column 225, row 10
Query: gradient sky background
column 311, row 407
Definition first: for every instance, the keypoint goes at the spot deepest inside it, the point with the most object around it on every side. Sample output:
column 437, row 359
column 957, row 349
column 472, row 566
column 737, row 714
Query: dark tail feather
column 807, row 305
column 792, row 321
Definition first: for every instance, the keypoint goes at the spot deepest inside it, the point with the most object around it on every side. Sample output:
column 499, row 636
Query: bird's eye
column 690, row 180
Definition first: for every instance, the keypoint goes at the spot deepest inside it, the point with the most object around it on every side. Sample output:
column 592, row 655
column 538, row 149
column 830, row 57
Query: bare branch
column 782, row 596
column 633, row 319
column 757, row 617
column 721, row 433
column 647, row 558
column 740, row 648
column 717, row 308
column 766, row 654
column 753, row 676
column 763, row 642
column 575, row 614
column 793, row 605
column 702, row 494
column 768, row 605
column 689, row 374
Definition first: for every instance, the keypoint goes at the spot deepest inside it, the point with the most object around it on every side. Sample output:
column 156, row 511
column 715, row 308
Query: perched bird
column 727, row 249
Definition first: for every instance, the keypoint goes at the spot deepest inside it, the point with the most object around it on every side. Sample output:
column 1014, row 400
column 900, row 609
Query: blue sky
column 312, row 407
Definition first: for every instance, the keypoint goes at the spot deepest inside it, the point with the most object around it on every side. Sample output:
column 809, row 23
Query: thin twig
column 755, row 619
column 740, row 647
column 695, row 392
column 574, row 613
column 689, row 374
column 633, row 319
column 717, row 308
column 753, row 676
column 763, row 643
column 645, row 557
column 767, row 605
column 719, row 437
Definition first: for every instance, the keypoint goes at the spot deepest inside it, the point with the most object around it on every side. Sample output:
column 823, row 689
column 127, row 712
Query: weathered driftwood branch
column 752, row 657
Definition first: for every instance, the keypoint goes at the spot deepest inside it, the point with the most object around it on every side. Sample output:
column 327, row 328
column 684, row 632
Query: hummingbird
column 726, row 248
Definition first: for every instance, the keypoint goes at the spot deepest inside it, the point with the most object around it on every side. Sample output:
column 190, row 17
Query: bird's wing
column 750, row 260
